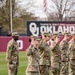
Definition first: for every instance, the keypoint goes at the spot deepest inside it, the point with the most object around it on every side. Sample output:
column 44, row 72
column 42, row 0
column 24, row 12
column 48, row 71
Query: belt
column 32, row 72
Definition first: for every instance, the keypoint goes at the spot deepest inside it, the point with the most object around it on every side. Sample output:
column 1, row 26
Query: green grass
column 22, row 64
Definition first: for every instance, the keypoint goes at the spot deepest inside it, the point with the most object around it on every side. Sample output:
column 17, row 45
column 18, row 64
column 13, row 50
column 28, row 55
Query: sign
column 38, row 27
column 23, row 43
column 20, row 44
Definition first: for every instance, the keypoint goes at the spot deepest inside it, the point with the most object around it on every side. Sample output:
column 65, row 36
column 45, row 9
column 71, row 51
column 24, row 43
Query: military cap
column 65, row 33
column 33, row 36
column 15, row 34
column 55, row 35
column 73, row 33
column 37, row 39
column 46, row 34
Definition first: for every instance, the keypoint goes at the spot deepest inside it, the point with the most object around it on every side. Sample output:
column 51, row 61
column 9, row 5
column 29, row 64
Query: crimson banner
column 23, row 43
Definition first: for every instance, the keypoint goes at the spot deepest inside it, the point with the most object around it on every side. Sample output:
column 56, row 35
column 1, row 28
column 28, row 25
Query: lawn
column 22, row 64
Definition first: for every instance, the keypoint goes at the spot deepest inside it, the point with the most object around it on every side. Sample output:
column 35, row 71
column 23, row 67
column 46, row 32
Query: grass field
column 22, row 64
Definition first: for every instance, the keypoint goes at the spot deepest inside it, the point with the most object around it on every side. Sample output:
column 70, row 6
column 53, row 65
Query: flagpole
column 45, row 9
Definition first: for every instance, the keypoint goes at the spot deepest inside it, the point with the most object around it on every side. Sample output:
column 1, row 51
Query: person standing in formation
column 33, row 57
column 44, row 55
column 12, row 55
column 55, row 55
column 72, row 54
column 64, row 54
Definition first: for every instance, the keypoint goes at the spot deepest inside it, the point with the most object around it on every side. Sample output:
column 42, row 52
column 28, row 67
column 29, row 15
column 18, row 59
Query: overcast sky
column 39, row 10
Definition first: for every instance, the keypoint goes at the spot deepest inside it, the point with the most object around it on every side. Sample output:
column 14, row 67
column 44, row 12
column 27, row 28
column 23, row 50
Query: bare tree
column 4, row 12
column 64, row 8
column 20, row 14
column 53, row 16
column 27, row 7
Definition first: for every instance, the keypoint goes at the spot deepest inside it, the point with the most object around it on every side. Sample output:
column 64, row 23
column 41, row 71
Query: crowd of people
column 42, row 57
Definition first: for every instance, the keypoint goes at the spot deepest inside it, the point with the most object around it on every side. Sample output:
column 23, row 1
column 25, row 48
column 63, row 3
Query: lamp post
column 11, row 16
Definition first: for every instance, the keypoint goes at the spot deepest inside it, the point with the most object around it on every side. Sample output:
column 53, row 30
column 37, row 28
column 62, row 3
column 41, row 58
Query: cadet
column 55, row 55
column 31, row 39
column 72, row 54
column 12, row 55
column 44, row 55
column 64, row 54
column 33, row 58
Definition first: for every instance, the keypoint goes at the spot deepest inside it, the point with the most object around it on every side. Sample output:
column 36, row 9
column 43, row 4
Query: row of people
column 55, row 57
column 41, row 57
